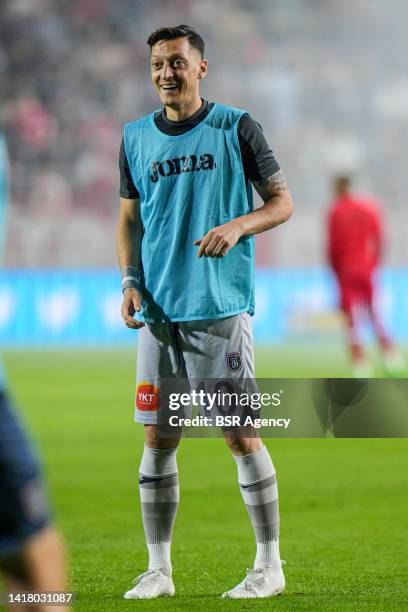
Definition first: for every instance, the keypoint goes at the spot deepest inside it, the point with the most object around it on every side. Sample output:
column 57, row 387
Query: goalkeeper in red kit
column 355, row 242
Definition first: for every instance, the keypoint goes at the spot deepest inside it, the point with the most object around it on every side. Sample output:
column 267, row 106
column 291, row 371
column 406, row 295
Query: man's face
column 176, row 69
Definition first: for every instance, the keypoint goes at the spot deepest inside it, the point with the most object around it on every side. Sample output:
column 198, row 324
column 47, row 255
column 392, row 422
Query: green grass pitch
column 344, row 517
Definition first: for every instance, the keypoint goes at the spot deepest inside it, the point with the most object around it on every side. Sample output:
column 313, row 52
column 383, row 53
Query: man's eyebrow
column 172, row 56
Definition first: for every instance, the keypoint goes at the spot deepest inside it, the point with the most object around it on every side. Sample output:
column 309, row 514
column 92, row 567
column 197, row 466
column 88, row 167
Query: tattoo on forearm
column 271, row 186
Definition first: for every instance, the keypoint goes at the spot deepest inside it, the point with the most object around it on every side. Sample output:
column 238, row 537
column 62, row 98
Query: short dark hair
column 181, row 31
column 342, row 182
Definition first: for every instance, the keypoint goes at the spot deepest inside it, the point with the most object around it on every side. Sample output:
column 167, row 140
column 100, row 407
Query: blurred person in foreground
column 355, row 245
column 186, row 252
column 31, row 552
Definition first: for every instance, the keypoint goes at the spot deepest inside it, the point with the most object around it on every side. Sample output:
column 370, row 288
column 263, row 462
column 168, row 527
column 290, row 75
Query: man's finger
column 132, row 323
column 138, row 326
column 197, row 242
column 135, row 325
column 204, row 243
column 137, row 304
column 127, row 311
column 209, row 249
column 217, row 252
column 127, row 318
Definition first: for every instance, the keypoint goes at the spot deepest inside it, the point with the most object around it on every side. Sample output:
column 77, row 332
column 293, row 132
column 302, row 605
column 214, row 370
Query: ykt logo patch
column 147, row 397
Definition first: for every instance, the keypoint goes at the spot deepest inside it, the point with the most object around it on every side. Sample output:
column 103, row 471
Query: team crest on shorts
column 234, row 362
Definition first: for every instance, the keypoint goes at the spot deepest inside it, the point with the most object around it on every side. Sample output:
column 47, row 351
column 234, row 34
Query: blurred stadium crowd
column 326, row 80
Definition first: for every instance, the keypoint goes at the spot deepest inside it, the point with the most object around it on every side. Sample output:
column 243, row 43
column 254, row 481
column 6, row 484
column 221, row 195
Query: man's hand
column 132, row 303
column 219, row 240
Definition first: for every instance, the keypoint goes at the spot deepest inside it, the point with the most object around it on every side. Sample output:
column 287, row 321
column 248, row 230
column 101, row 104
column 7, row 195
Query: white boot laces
column 152, row 573
column 255, row 578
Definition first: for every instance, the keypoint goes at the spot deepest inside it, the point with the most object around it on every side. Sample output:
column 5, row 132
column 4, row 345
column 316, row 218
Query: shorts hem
column 141, row 421
column 13, row 544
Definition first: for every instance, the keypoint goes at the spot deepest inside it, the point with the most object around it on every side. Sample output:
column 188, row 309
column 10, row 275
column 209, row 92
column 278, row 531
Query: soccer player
column 186, row 252
column 355, row 243
column 31, row 552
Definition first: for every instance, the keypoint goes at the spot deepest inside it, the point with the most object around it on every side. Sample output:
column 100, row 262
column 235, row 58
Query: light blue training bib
column 189, row 184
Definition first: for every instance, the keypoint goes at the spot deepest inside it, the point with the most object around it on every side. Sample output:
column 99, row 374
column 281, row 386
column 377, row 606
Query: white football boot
column 262, row 581
column 151, row 584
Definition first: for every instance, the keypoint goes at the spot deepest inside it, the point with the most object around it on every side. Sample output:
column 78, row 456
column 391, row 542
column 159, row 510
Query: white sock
column 257, row 479
column 159, row 556
column 268, row 553
column 159, row 495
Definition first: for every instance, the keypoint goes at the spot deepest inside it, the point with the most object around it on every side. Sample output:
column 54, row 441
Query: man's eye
column 178, row 62
column 156, row 66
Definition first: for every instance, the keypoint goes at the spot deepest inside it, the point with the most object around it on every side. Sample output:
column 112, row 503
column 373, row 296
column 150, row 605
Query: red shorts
column 356, row 291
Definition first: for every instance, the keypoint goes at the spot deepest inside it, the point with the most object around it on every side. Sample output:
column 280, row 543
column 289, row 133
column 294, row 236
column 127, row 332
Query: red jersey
column 354, row 236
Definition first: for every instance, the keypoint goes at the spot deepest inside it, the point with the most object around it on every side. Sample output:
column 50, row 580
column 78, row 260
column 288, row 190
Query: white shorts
column 208, row 349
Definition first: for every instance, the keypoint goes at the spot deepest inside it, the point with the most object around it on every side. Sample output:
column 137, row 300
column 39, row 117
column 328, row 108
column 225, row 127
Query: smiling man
column 186, row 252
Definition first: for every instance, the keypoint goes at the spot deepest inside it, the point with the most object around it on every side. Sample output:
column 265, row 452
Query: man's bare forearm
column 129, row 235
column 277, row 207
column 128, row 246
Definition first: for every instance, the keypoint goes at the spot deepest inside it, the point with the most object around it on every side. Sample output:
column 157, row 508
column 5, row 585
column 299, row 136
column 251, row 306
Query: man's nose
column 167, row 70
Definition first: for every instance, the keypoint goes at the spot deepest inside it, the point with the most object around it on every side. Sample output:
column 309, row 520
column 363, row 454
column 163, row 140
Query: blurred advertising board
column 82, row 307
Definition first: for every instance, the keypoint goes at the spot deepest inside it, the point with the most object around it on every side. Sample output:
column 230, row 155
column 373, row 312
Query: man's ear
column 203, row 69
